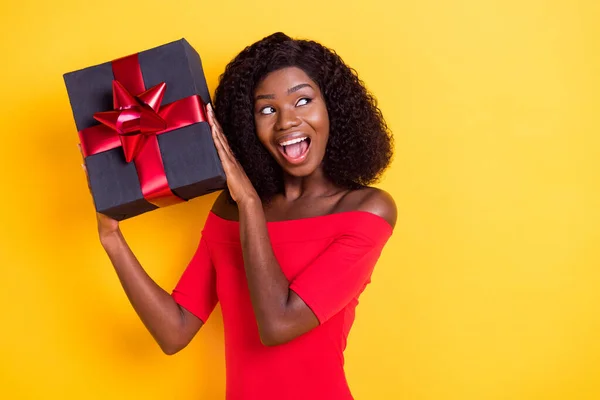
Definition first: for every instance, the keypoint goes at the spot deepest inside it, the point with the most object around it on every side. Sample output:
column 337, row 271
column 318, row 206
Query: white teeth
column 287, row 143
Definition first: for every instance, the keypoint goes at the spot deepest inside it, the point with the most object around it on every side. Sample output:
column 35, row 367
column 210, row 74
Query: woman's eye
column 267, row 110
column 303, row 101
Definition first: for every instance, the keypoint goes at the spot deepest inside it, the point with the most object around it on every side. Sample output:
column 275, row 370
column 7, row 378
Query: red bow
column 135, row 117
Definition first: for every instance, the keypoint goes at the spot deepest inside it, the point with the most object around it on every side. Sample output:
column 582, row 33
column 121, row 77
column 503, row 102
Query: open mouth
column 295, row 150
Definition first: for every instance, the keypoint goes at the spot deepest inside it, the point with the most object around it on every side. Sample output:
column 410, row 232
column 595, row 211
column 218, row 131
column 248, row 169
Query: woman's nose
column 287, row 119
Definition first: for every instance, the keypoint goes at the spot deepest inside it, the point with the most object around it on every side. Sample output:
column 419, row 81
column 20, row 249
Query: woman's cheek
column 262, row 137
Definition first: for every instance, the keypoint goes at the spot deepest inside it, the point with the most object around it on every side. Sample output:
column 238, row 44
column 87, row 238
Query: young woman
column 292, row 243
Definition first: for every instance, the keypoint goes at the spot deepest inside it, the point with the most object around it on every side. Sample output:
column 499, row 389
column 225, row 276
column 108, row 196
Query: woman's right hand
column 107, row 226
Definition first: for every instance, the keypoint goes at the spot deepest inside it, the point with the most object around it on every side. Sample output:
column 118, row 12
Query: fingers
column 218, row 143
column 212, row 119
column 87, row 177
column 218, row 136
column 82, row 158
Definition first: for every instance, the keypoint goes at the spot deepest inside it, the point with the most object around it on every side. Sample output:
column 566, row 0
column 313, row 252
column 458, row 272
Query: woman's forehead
column 280, row 81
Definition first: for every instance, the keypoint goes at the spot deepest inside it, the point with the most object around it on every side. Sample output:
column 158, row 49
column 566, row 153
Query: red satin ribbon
column 134, row 124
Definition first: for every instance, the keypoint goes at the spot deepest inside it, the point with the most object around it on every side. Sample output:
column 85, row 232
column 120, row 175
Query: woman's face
column 291, row 120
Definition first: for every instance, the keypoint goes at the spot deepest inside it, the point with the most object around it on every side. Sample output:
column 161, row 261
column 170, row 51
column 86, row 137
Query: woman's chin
column 300, row 171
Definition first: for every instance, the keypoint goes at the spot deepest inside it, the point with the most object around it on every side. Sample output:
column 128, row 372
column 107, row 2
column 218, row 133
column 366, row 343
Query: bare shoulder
column 375, row 201
column 224, row 208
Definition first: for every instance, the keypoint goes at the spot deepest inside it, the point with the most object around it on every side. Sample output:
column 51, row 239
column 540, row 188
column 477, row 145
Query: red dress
column 328, row 261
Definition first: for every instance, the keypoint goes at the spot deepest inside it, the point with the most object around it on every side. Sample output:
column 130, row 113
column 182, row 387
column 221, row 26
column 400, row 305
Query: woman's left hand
column 239, row 185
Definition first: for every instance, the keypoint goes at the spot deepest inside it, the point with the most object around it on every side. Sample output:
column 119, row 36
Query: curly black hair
column 360, row 145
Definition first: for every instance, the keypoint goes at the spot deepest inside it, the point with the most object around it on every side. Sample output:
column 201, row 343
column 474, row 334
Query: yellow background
column 490, row 286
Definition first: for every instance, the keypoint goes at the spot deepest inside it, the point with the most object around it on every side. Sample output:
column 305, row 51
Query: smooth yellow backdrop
column 489, row 288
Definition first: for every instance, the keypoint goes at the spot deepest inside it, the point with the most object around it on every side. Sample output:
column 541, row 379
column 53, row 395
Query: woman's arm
column 281, row 314
column 171, row 325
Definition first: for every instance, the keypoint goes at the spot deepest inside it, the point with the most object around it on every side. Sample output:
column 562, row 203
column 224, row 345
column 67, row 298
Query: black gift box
column 190, row 160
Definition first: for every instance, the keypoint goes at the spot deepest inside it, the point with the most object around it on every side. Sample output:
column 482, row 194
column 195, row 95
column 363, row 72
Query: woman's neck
column 313, row 185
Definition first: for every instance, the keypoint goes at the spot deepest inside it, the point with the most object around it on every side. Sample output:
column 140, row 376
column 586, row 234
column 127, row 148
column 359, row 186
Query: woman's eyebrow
column 289, row 91
column 265, row 96
column 298, row 87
